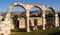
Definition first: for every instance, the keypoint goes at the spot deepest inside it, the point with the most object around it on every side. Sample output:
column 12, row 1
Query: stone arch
column 52, row 8
column 13, row 5
column 40, row 8
column 37, row 6
column 25, row 7
column 55, row 15
column 8, row 15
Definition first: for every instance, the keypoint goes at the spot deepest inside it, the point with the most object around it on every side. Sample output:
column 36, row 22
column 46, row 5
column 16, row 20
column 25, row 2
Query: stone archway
column 42, row 8
column 11, row 6
column 13, row 22
column 55, row 15
column 25, row 6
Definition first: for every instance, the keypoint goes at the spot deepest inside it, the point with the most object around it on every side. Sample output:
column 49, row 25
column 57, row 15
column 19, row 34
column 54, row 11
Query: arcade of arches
column 27, row 7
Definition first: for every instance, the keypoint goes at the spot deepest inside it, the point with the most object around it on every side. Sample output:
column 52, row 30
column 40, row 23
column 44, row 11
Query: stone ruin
column 5, row 26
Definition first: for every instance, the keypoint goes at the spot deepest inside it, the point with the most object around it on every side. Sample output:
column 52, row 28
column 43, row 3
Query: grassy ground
column 48, row 31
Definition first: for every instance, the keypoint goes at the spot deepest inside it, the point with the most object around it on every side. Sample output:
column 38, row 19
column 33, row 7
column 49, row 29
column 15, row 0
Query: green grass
column 48, row 31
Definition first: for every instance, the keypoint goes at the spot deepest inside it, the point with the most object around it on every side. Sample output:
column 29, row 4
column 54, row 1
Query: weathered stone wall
column 22, row 22
column 39, row 20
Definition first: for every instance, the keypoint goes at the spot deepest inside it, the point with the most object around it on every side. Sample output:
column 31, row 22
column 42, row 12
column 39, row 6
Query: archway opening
column 50, row 17
column 35, row 12
column 35, row 17
column 18, row 12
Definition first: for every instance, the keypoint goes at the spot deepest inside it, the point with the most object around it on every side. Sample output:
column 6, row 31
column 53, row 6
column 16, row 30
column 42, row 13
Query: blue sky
column 4, row 4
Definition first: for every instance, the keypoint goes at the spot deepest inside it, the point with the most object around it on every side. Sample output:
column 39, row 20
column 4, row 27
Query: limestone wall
column 22, row 23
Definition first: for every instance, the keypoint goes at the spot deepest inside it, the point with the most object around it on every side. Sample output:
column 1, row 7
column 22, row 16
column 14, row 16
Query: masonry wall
column 22, row 22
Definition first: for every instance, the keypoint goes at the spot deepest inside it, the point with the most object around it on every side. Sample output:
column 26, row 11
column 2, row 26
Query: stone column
column 7, row 25
column 43, row 20
column 56, row 20
column 27, row 20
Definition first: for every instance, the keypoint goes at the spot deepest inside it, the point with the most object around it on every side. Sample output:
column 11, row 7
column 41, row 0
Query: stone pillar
column 27, row 20
column 56, row 20
column 43, row 20
column 7, row 25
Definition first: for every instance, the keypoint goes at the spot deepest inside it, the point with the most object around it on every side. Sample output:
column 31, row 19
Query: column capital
column 56, row 15
column 27, row 7
column 43, row 15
